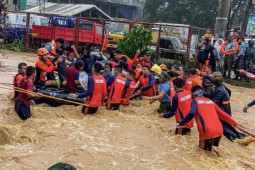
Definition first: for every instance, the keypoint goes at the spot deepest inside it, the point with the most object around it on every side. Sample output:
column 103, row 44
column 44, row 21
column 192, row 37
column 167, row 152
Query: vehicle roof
column 67, row 9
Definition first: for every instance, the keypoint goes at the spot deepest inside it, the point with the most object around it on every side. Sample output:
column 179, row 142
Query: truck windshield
column 44, row 21
column 86, row 26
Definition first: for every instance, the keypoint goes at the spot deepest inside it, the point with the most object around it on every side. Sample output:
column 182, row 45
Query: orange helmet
column 42, row 51
column 163, row 67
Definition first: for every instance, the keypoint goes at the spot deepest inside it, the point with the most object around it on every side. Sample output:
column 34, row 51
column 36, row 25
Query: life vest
column 116, row 89
column 172, row 91
column 129, row 61
column 188, row 84
column 180, row 76
column 42, row 68
column 196, row 81
column 53, row 46
column 208, row 123
column 184, row 106
column 99, row 92
column 127, row 93
column 15, row 84
column 144, row 63
column 137, row 74
column 144, row 82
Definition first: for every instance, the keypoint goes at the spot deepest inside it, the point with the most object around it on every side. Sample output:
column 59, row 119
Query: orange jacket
column 196, row 80
column 116, row 90
column 42, row 68
column 127, row 93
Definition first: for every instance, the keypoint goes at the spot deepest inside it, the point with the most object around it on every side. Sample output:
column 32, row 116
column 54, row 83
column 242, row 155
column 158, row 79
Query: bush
column 137, row 38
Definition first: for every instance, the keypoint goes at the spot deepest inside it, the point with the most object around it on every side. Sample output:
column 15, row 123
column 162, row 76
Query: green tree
column 137, row 38
column 198, row 13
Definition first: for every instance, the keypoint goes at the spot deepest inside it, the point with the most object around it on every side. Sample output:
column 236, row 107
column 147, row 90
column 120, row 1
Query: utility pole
column 222, row 19
column 246, row 18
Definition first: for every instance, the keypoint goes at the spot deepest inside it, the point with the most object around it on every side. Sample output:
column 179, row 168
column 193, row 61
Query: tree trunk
column 221, row 20
column 246, row 18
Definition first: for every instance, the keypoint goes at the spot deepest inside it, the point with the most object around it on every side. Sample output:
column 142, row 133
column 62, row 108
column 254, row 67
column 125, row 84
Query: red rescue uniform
column 141, row 60
column 116, row 90
column 207, row 118
column 127, row 93
column 184, row 106
column 99, row 92
column 143, row 82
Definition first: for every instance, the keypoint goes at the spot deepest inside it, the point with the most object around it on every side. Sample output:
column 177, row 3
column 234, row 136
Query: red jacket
column 127, row 93
column 116, row 90
column 99, row 92
column 141, row 60
column 42, row 68
column 207, row 118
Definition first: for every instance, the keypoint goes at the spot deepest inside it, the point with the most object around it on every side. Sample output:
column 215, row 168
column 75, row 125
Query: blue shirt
column 229, row 46
column 89, row 61
column 165, row 87
column 242, row 46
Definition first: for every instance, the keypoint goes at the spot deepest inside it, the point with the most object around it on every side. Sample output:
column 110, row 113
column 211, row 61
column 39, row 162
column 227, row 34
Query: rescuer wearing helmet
column 43, row 67
column 53, row 45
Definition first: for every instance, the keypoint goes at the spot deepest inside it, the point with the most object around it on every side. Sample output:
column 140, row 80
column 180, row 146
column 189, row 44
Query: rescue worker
column 196, row 80
column 180, row 72
column 147, row 83
column 53, row 45
column 145, row 60
column 207, row 115
column 43, row 67
column 129, row 89
column 164, row 94
column 18, row 77
column 208, row 87
column 181, row 106
column 187, row 82
column 96, row 92
column 116, row 85
column 221, row 98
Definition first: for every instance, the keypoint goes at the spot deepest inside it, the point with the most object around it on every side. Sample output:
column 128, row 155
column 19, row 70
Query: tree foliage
column 137, row 38
column 199, row 13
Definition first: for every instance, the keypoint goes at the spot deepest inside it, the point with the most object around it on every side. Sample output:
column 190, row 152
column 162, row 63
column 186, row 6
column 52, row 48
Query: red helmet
column 42, row 51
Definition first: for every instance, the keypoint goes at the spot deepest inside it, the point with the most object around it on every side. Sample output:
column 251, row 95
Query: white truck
column 19, row 20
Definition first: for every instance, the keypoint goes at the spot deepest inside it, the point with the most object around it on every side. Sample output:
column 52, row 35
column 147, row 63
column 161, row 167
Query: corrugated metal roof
column 67, row 9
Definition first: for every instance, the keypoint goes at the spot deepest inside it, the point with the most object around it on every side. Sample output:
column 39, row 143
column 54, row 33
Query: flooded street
column 132, row 138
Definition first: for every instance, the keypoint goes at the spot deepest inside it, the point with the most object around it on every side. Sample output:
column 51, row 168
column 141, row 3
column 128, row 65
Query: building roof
column 68, row 9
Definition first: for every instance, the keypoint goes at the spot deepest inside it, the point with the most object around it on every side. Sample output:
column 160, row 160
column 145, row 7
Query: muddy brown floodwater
column 132, row 138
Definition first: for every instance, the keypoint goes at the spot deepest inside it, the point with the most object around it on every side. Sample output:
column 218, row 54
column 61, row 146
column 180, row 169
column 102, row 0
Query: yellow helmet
column 156, row 69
